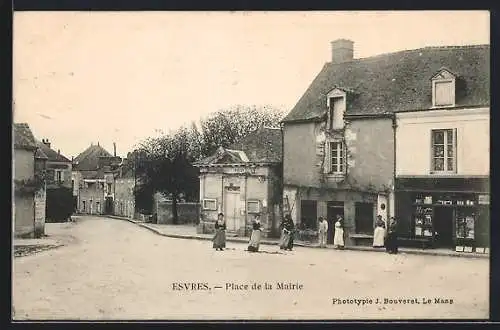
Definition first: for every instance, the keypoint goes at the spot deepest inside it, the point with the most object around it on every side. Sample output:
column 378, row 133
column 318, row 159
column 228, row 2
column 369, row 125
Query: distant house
column 124, row 202
column 58, row 168
column 360, row 134
column 29, row 187
column 94, row 172
column 241, row 181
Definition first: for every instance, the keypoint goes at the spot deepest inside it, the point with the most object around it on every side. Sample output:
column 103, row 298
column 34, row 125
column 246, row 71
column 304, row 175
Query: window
column 210, row 204
column 110, row 191
column 73, row 185
column 253, row 206
column 364, row 218
column 58, row 176
column 444, row 150
column 308, row 214
column 336, row 113
column 336, row 157
column 443, row 93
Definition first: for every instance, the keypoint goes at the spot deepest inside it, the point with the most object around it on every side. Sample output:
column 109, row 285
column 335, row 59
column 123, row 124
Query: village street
column 114, row 269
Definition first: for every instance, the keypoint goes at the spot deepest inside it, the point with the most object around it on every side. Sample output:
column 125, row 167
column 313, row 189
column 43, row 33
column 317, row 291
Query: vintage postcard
column 251, row 165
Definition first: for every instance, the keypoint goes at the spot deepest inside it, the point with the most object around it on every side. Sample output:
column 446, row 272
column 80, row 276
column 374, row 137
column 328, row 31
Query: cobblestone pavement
column 117, row 270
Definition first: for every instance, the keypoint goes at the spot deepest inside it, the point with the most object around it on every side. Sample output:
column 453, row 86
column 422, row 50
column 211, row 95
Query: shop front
column 450, row 213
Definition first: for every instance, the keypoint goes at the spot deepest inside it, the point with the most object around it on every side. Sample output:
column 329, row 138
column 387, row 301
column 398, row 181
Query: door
column 333, row 209
column 232, row 210
column 443, row 226
column 109, row 205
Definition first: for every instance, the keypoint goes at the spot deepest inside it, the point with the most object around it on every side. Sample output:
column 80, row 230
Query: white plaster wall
column 413, row 140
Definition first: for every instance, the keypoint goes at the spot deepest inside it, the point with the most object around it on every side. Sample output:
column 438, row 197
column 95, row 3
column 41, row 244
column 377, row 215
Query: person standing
column 322, row 231
column 220, row 233
column 379, row 233
column 288, row 230
column 253, row 245
column 338, row 238
column 392, row 237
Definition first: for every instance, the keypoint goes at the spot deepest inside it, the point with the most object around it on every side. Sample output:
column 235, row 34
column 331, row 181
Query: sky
column 89, row 77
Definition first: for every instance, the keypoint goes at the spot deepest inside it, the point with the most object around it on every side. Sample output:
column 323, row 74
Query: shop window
column 444, row 145
column 309, row 214
column 364, row 218
column 210, row 204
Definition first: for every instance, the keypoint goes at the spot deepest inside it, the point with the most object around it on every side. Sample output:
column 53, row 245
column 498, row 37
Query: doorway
column 333, row 209
column 443, row 226
column 232, row 210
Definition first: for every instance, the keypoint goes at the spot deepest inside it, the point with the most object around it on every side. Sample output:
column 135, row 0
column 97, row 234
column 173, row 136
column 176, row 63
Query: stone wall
column 188, row 213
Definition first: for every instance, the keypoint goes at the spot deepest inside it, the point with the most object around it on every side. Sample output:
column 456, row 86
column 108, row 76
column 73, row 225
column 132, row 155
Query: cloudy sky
column 88, row 77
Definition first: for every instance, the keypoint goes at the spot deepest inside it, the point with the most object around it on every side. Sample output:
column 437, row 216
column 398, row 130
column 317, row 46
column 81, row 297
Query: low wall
column 188, row 213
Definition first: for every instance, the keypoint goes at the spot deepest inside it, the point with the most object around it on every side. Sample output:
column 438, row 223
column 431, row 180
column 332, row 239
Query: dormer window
column 443, row 89
column 336, row 108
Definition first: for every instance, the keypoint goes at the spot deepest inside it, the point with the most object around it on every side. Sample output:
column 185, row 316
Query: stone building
column 340, row 138
column 241, row 181
column 124, row 203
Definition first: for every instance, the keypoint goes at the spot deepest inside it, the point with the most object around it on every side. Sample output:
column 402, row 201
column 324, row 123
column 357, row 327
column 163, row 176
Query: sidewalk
column 189, row 232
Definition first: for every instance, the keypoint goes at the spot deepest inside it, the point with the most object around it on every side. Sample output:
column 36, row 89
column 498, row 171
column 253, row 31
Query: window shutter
column 455, row 151
column 327, row 160
column 432, row 151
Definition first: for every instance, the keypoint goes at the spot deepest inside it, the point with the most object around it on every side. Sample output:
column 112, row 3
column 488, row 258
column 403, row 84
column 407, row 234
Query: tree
column 228, row 126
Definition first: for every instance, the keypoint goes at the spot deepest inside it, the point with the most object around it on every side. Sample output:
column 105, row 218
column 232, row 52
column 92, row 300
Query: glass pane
column 334, row 161
column 438, row 151
column 438, row 164
column 450, row 164
column 449, row 151
column 341, row 168
column 438, row 137
column 340, row 149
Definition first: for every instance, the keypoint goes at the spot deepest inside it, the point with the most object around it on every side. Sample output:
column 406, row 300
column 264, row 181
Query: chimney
column 98, row 143
column 46, row 142
column 342, row 51
column 114, row 149
column 58, row 151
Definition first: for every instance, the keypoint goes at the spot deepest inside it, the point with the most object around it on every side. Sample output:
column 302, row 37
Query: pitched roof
column 88, row 160
column 39, row 154
column 51, row 154
column 260, row 146
column 398, row 81
column 23, row 137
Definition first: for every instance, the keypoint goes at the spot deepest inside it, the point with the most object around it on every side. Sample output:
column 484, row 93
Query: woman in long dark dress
column 392, row 237
column 253, row 245
column 287, row 231
column 220, row 233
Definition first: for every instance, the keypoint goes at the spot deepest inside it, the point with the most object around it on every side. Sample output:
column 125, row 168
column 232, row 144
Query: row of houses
column 96, row 183
column 102, row 183
column 402, row 135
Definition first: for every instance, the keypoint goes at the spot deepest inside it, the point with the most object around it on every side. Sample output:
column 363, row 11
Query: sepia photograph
column 250, row 165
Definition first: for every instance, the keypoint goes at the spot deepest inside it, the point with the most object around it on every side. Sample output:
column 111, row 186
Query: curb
column 347, row 248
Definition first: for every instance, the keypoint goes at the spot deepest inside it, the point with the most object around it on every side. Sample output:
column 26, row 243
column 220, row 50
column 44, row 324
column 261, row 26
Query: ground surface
column 113, row 269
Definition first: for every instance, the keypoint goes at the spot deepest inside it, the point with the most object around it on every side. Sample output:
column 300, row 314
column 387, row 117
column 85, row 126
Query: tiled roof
column 88, row 160
column 51, row 154
column 39, row 154
column 398, row 81
column 23, row 137
column 260, row 146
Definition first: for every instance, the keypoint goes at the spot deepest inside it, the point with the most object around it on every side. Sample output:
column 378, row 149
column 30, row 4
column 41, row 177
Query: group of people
column 381, row 236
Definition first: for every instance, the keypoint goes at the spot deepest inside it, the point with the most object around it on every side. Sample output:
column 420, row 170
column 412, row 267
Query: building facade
column 347, row 127
column 242, row 181
column 29, row 186
column 124, row 202
column 443, row 194
column 94, row 172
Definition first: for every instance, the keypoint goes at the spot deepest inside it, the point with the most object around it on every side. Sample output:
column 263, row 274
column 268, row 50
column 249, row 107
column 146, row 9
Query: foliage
column 59, row 204
column 29, row 186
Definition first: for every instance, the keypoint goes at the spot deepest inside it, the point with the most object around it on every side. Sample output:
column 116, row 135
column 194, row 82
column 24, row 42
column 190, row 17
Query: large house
column 340, row 139
column 242, row 181
column 29, row 187
column 124, row 190
column 94, row 172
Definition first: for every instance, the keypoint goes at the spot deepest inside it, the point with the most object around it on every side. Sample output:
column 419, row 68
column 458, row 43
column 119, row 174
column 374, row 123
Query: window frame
column 212, row 200
column 341, row 158
column 445, row 145
column 254, row 201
